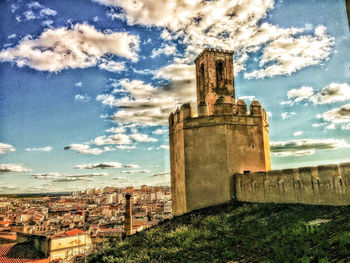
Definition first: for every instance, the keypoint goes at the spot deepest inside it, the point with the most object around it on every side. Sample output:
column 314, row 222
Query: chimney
column 128, row 222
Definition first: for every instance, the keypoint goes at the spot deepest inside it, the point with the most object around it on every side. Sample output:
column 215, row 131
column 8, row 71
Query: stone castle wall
column 321, row 185
column 207, row 150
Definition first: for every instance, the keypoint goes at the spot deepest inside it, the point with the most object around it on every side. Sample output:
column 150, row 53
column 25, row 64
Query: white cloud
column 126, row 147
column 5, row 148
column 78, row 84
column 287, row 115
column 7, row 168
column 177, row 71
column 117, row 138
column 134, row 166
column 139, row 137
column 164, row 49
column 289, row 54
column 164, row 147
column 42, row 149
column 82, row 98
column 160, row 131
column 304, row 93
column 302, row 147
column 334, row 92
column 120, row 129
column 47, row 23
column 230, row 24
column 34, row 5
column 79, row 47
column 86, row 149
column 11, row 36
column 47, row 12
column 112, row 66
column 138, row 102
column 336, row 116
column 29, row 15
column 298, row 133
column 250, row 98
column 135, row 172
column 103, row 165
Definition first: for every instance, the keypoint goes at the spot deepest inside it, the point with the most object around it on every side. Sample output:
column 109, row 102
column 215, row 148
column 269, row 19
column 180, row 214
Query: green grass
column 241, row 232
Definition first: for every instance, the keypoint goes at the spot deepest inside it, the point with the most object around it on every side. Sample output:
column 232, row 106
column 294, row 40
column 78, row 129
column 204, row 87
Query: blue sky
column 86, row 88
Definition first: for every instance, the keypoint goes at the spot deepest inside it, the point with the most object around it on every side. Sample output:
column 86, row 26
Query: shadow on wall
column 321, row 185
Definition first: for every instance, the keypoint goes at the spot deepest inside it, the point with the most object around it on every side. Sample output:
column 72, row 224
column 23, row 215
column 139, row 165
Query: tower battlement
column 237, row 113
column 230, row 52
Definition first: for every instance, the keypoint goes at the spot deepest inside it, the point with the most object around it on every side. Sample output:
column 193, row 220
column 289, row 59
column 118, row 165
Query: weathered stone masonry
column 224, row 139
column 320, row 185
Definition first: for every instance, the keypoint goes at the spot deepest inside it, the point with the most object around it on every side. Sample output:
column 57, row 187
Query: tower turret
column 214, row 76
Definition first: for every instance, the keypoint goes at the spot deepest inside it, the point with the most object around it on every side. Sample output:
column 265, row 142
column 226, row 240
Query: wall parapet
column 236, row 113
column 320, row 185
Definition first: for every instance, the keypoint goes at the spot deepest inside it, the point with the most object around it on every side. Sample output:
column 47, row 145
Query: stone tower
column 128, row 221
column 214, row 77
column 224, row 139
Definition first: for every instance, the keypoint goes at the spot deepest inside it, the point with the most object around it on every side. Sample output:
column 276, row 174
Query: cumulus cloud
column 103, row 165
column 230, row 24
column 7, row 168
column 82, row 98
column 86, row 149
column 289, row 54
column 336, row 116
column 5, row 148
column 139, row 102
column 302, row 147
column 42, row 149
column 117, row 138
column 120, row 129
column 112, row 66
column 78, row 47
column 334, row 92
column 165, row 49
column 160, row 131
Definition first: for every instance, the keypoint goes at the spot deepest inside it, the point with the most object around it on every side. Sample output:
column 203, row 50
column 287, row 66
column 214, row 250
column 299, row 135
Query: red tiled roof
column 74, row 232
column 10, row 236
column 69, row 233
column 17, row 253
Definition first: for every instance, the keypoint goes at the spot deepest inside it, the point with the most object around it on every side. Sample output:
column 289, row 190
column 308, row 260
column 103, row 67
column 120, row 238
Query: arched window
column 201, row 82
column 220, row 75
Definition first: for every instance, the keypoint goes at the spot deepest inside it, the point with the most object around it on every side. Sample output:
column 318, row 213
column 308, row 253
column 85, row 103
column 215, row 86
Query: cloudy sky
column 86, row 87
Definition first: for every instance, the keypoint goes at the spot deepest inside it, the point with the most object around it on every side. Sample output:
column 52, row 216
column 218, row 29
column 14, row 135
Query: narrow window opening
column 201, row 81
column 220, row 75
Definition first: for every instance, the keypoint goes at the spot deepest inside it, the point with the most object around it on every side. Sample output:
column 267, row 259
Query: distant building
column 206, row 151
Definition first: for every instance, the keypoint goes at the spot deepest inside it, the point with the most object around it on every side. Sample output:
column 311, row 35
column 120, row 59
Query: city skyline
column 86, row 90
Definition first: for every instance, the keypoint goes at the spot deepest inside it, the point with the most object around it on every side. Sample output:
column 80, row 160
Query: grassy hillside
column 241, row 232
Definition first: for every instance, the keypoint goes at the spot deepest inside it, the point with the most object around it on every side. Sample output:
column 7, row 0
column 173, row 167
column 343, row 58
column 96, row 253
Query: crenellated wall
column 321, row 185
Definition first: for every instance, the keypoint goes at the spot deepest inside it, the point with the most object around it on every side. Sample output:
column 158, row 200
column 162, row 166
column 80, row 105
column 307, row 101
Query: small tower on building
column 128, row 222
column 224, row 139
